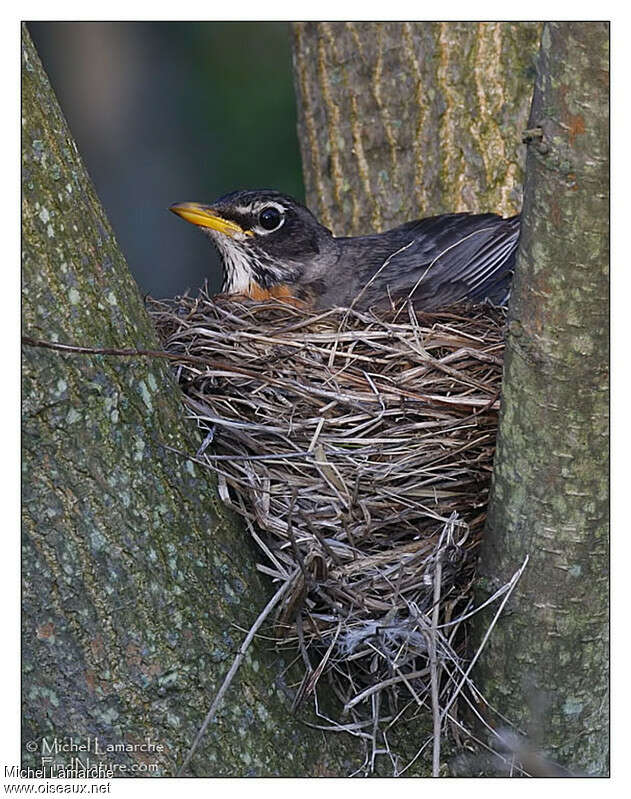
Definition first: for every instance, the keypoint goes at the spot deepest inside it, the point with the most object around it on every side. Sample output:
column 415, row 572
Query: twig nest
column 359, row 449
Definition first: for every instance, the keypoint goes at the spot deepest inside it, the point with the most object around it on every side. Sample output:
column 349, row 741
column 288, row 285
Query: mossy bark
column 546, row 666
column 406, row 119
column 136, row 582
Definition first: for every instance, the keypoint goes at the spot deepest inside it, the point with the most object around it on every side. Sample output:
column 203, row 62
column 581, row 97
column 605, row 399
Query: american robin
column 272, row 246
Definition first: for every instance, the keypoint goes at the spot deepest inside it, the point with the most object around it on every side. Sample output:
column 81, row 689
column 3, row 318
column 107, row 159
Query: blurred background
column 171, row 112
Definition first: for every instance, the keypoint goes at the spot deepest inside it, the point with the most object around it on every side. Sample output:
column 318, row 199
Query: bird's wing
column 443, row 260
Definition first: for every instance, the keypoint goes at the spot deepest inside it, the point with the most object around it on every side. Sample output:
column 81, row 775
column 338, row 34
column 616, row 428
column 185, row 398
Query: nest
column 359, row 449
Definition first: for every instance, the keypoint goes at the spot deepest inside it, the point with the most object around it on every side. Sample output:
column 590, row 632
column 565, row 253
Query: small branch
column 384, row 684
column 128, row 353
column 513, row 582
column 434, row 669
column 233, row 670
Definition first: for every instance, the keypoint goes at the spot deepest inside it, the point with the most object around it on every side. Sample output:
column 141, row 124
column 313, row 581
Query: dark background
column 171, row 112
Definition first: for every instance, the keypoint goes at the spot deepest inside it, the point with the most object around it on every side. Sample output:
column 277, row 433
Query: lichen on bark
column 137, row 584
column 546, row 665
column 399, row 120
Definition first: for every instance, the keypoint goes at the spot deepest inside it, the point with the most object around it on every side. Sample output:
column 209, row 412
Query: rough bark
column 407, row 119
column 546, row 667
column 134, row 576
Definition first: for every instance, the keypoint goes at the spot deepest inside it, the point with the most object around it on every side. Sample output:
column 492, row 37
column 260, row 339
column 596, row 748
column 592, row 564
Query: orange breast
column 282, row 292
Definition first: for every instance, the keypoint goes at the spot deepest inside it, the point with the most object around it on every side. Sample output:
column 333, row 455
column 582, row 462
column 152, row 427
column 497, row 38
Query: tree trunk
column 407, row 119
column 136, row 582
column 546, row 666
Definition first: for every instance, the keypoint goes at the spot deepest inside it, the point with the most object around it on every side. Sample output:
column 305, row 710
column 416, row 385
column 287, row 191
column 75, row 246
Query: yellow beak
column 206, row 216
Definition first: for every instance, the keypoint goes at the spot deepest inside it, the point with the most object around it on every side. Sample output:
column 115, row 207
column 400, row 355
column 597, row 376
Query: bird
column 272, row 246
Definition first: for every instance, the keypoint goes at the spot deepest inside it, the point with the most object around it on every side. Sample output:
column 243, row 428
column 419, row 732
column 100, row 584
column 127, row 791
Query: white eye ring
column 270, row 218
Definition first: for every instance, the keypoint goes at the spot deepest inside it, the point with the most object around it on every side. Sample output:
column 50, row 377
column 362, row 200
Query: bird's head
column 265, row 238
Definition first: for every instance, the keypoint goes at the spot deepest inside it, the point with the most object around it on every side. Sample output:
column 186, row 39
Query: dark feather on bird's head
column 262, row 235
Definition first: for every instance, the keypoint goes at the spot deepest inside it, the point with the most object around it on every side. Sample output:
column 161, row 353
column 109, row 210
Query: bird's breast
column 281, row 291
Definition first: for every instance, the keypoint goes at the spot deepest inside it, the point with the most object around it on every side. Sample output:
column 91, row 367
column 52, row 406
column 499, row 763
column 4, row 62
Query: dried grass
column 359, row 449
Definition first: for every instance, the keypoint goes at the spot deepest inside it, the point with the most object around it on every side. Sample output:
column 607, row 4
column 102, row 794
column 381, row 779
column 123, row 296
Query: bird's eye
column 270, row 218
